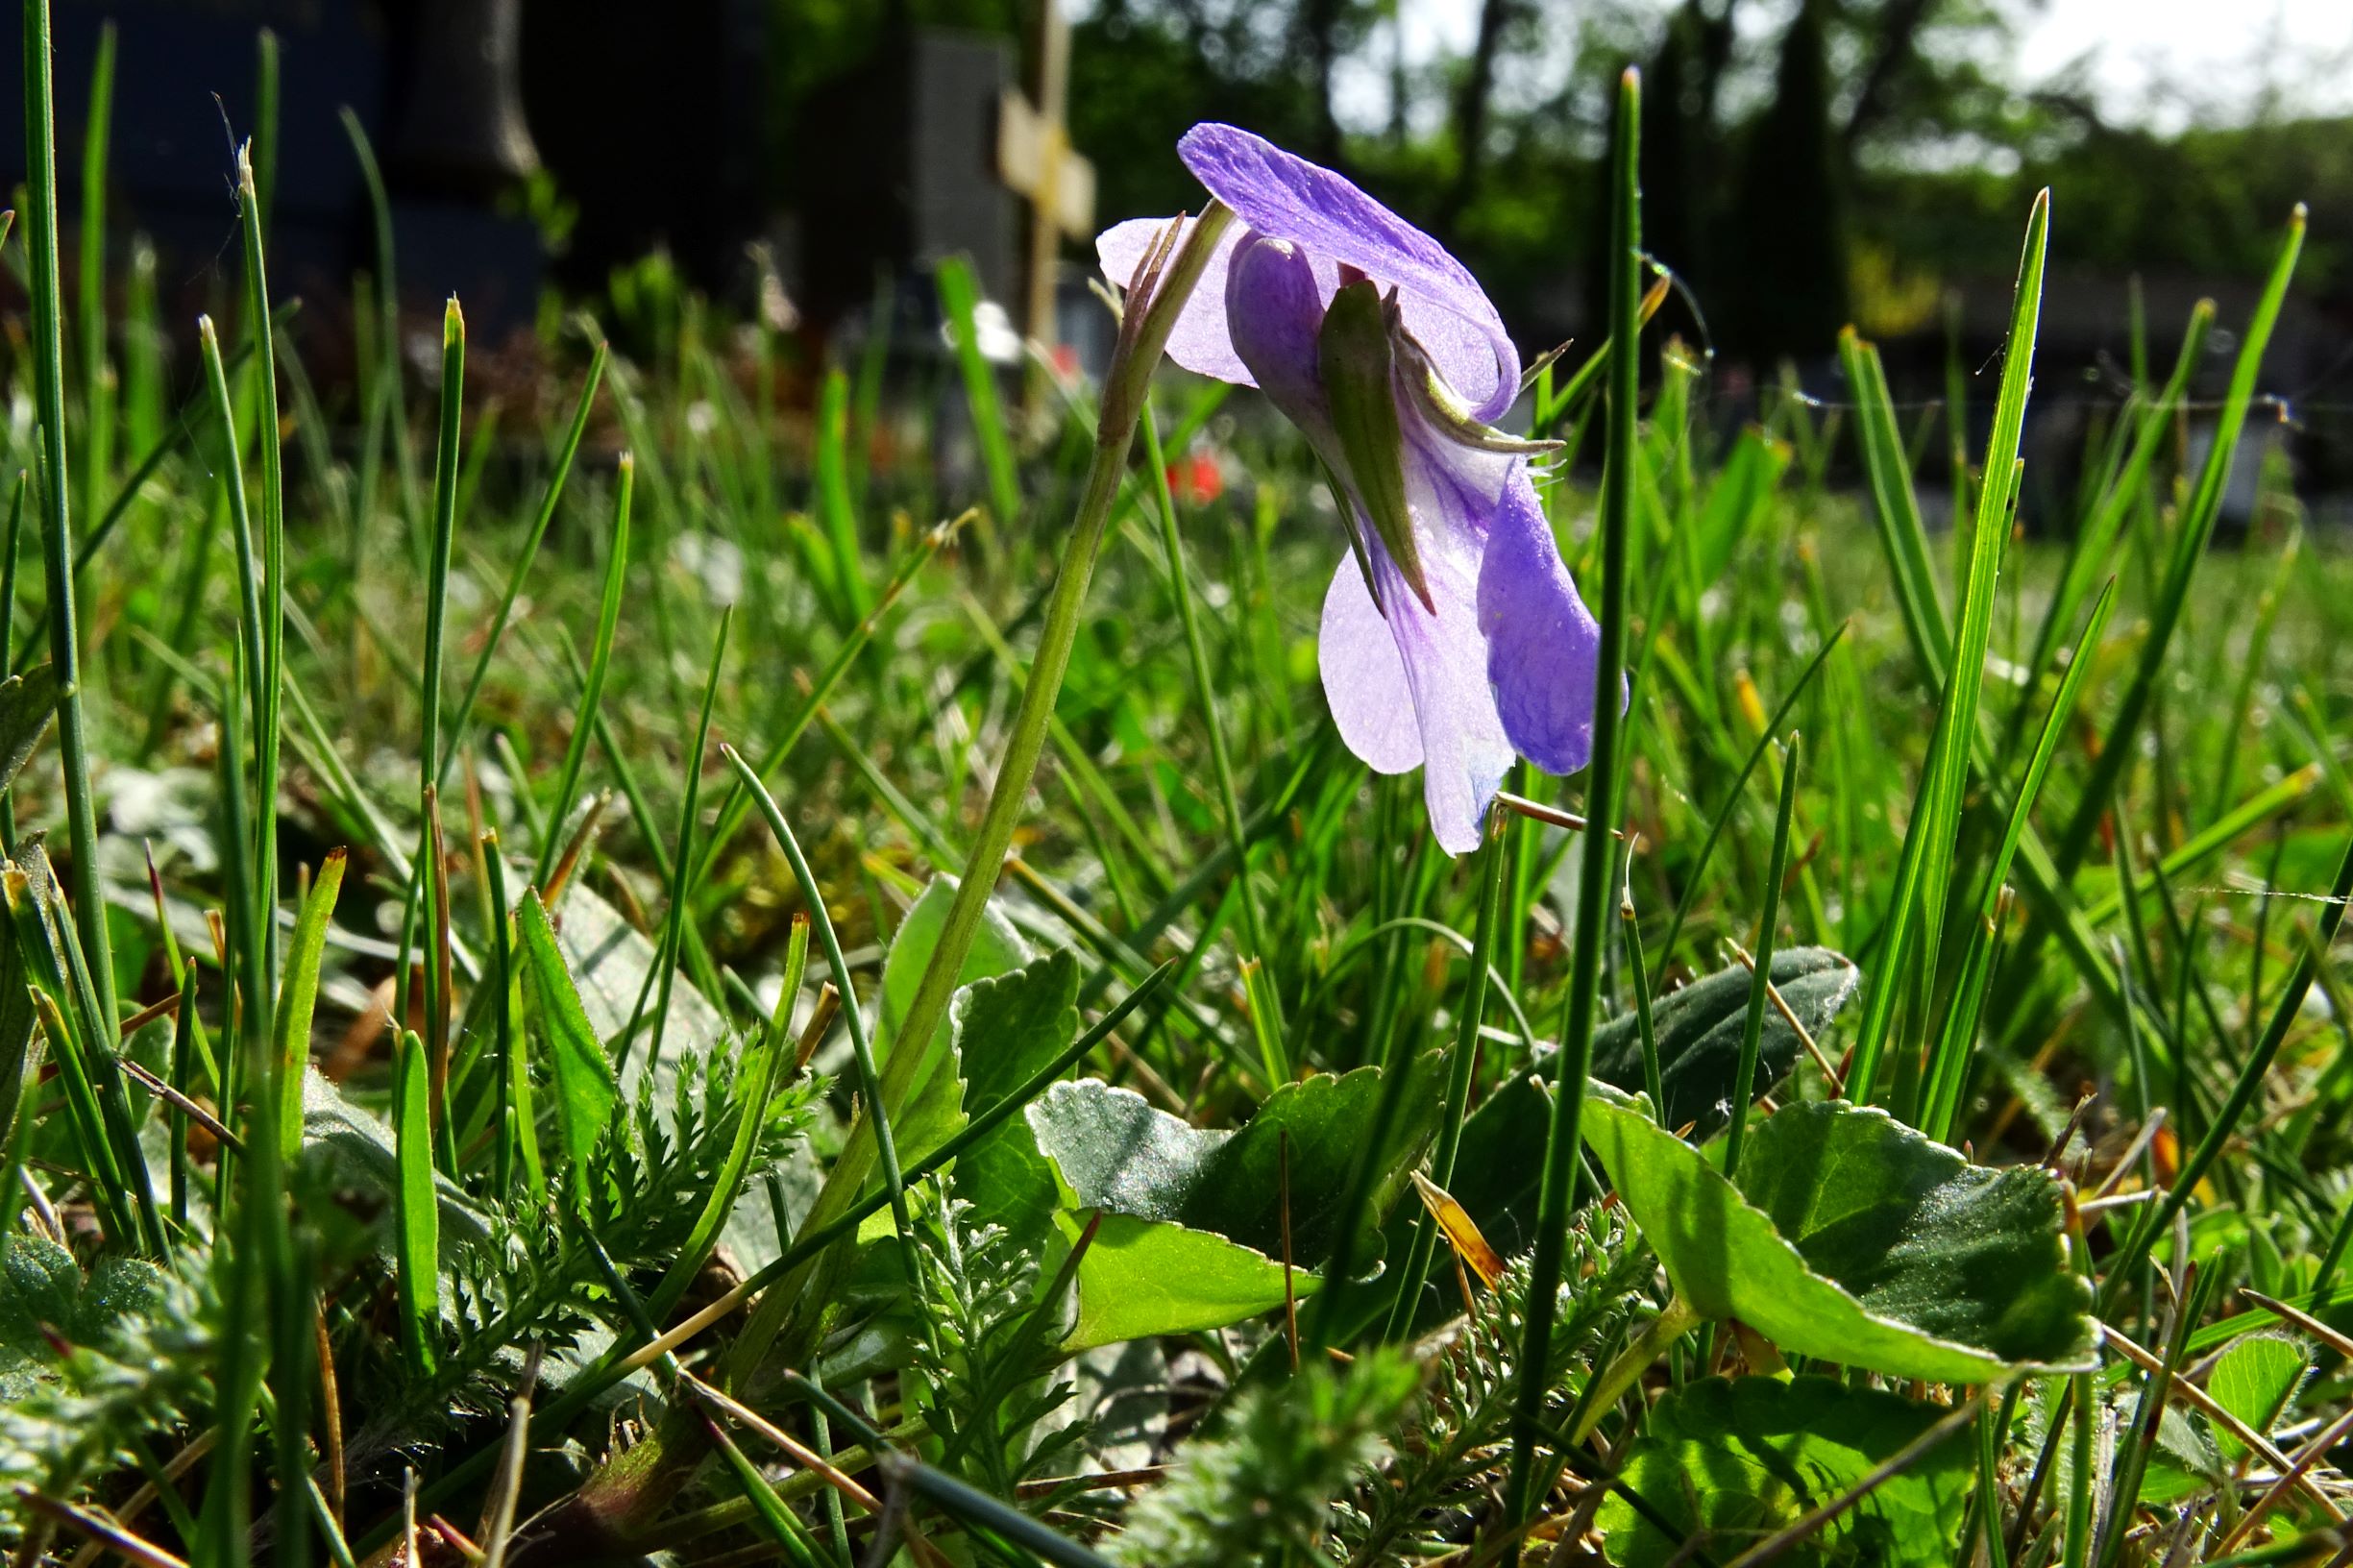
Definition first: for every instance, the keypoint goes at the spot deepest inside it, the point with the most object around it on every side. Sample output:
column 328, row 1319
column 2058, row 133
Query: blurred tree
column 1143, row 72
column 1788, row 294
column 1777, row 134
column 811, row 42
column 1681, row 144
column 1471, row 103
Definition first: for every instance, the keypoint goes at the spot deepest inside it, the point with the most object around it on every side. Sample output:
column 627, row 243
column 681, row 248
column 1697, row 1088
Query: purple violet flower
column 1453, row 637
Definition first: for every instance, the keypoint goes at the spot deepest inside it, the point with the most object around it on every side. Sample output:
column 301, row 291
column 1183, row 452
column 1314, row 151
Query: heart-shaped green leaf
column 1191, row 1230
column 1142, row 1279
column 1001, row 1031
column 997, row 948
column 1856, row 1239
column 1699, row 1030
column 1742, row 1460
column 1116, row 1152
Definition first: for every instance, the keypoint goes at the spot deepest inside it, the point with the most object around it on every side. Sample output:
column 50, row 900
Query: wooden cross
column 1034, row 161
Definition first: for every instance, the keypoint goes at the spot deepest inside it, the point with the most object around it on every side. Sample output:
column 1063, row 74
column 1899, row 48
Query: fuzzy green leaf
column 2254, row 1380
column 1742, row 1460
column 38, row 1282
column 1854, row 1238
column 28, row 702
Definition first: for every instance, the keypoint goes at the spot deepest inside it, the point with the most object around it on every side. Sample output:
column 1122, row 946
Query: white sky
column 2158, row 62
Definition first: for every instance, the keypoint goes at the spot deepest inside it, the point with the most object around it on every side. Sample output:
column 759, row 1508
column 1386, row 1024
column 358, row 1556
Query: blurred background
column 804, row 163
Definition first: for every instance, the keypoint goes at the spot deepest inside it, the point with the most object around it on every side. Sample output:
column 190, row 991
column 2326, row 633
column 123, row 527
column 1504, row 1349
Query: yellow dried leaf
column 1461, row 1234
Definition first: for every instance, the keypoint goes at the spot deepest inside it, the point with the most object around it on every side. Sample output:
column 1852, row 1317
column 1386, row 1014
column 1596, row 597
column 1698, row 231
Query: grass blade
column 555, row 493
column 1923, row 871
column 89, row 909
column 592, row 691
column 298, row 999
column 1760, row 980
column 1563, row 1145
column 774, row 1047
column 418, row 1205
column 673, row 925
column 2118, row 745
column 959, row 301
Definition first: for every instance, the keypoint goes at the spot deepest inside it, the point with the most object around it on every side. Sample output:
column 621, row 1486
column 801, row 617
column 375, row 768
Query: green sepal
column 1354, row 361
column 1356, row 536
column 1441, row 408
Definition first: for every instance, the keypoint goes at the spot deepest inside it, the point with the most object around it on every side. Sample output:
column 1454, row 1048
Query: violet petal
column 1364, row 677
column 1273, row 305
column 1465, row 752
column 1199, row 340
column 1542, row 643
column 1287, row 198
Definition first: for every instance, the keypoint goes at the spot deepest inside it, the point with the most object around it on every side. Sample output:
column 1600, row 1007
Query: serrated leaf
column 1142, row 1279
column 2254, row 1378
column 1742, row 1460
column 1003, row 1030
column 1192, row 1231
column 1698, row 1029
column 1856, row 1239
column 585, row 1092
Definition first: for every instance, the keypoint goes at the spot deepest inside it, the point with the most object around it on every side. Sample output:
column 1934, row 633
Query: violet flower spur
column 1453, row 636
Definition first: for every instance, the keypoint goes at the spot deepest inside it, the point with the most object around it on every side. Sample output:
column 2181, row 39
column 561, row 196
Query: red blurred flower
column 1196, row 480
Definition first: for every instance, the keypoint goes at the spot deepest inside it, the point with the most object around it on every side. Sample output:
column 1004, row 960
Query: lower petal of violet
column 1465, row 752
column 1364, row 677
column 1542, row 644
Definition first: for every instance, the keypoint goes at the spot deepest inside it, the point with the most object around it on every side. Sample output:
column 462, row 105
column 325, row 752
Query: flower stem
column 89, row 909
column 1154, row 299
column 1562, row 1148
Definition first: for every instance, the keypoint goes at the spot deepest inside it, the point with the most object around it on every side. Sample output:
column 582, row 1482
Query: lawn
column 479, row 862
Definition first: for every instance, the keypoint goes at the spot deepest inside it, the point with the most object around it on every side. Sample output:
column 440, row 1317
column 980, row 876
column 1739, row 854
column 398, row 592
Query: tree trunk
column 1471, row 110
column 1893, row 42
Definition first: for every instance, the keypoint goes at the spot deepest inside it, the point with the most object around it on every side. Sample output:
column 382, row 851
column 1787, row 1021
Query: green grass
column 538, row 1075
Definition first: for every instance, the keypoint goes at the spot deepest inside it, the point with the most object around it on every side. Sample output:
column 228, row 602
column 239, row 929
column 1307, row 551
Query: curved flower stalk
column 1453, row 636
